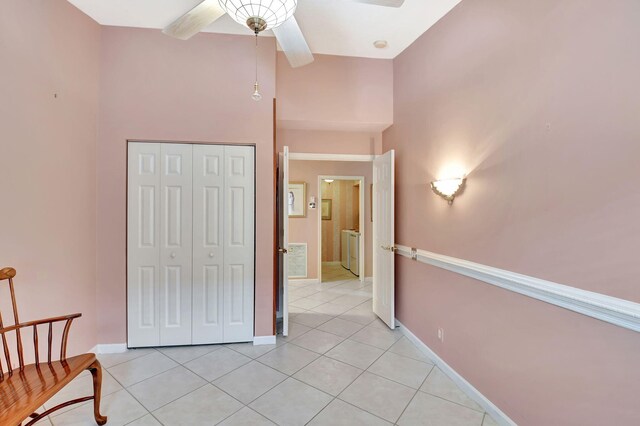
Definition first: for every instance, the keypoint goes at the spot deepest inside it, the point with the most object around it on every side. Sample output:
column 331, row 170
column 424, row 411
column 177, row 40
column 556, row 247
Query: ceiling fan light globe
column 273, row 12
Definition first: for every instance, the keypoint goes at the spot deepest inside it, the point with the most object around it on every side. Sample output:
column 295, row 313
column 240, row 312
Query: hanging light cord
column 256, row 87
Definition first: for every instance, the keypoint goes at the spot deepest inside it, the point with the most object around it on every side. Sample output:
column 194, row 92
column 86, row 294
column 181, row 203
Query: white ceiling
column 333, row 27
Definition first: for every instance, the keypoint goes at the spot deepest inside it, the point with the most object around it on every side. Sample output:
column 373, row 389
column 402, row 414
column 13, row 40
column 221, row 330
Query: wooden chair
column 24, row 388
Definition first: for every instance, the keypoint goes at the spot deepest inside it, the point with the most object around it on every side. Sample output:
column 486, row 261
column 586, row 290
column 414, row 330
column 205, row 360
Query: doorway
column 302, row 293
column 341, row 229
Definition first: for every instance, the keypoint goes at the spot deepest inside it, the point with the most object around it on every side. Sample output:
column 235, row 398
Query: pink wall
column 538, row 102
column 306, row 229
column 335, row 93
column 47, row 145
column 156, row 88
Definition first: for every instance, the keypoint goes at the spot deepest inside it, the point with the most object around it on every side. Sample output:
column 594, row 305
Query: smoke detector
column 380, row 44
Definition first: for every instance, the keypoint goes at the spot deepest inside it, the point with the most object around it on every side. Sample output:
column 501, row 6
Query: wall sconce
column 448, row 188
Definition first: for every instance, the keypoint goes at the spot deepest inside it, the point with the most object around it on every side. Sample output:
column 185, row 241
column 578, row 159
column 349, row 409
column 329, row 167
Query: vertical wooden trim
column 275, row 220
column 126, row 242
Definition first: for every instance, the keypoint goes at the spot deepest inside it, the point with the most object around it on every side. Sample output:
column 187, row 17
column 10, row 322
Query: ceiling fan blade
column 387, row 3
column 195, row 20
column 293, row 43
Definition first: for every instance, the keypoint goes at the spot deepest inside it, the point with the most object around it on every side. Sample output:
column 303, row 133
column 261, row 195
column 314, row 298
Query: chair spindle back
column 7, row 274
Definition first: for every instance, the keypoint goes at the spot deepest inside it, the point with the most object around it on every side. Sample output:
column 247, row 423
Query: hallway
column 334, row 368
column 332, row 272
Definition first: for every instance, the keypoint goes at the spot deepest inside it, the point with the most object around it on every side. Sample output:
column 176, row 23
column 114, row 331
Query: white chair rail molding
column 613, row 310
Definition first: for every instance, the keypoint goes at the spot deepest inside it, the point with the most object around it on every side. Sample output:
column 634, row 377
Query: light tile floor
column 335, row 272
column 338, row 366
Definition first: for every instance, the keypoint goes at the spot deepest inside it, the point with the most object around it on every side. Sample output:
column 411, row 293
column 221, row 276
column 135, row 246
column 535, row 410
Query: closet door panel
column 175, row 244
column 239, row 210
column 143, row 244
column 208, row 250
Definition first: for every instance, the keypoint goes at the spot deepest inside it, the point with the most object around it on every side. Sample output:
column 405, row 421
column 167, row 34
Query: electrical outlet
column 441, row 335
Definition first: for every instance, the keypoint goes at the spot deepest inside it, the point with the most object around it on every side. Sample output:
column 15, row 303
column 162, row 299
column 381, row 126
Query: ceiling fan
column 258, row 15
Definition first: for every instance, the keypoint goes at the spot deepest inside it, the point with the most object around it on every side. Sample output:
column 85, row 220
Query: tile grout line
column 129, row 360
column 144, row 380
column 263, row 393
column 363, row 371
column 414, row 395
column 405, row 408
column 173, row 400
column 453, row 402
column 445, row 399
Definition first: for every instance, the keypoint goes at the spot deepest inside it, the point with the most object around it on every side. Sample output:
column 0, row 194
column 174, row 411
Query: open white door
column 283, row 236
column 384, row 238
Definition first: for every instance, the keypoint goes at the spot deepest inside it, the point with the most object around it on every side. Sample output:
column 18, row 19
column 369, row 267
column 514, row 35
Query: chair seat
column 25, row 391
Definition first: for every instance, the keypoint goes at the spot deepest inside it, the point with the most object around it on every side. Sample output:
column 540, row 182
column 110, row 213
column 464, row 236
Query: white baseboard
column 111, row 348
column 303, row 280
column 498, row 415
column 116, row 348
column 264, row 340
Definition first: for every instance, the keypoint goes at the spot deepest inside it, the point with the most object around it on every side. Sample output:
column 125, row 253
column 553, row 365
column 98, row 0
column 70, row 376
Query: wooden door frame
column 276, row 231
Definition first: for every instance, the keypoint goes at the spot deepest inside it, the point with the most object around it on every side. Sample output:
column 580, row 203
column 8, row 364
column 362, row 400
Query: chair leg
column 96, row 372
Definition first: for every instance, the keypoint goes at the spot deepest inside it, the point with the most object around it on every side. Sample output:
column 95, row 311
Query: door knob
column 282, row 250
column 211, row 254
column 173, row 255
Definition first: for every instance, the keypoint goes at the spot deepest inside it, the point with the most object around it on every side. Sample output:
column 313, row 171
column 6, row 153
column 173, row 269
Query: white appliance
column 354, row 253
column 345, row 249
column 190, row 244
column 350, row 251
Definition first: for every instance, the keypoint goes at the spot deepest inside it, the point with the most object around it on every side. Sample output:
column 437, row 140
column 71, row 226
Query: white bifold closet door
column 223, row 246
column 190, row 244
column 208, row 244
column 239, row 230
column 143, row 245
column 175, row 244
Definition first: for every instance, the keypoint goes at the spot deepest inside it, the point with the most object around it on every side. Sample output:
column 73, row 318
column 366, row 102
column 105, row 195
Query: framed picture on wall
column 326, row 209
column 297, row 196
